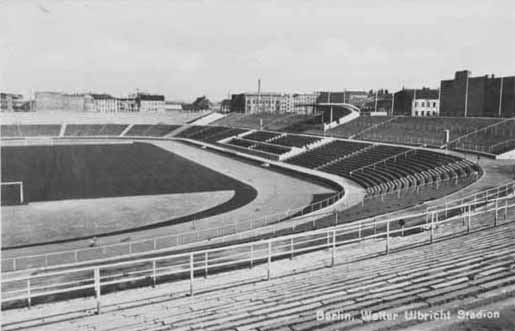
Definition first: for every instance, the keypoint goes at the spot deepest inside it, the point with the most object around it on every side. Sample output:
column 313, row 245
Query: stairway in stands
column 463, row 272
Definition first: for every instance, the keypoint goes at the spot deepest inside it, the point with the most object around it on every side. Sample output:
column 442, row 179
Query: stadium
column 184, row 221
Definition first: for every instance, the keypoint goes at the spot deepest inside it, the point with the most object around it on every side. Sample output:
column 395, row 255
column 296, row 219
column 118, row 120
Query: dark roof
column 150, row 97
column 424, row 93
column 101, row 96
column 427, row 93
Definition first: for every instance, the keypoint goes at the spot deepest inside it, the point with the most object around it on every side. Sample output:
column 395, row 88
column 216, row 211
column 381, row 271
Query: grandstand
column 30, row 130
column 155, row 130
column 262, row 136
column 491, row 139
column 209, row 134
column 423, row 131
column 382, row 168
column 352, row 128
column 273, row 122
column 251, row 145
column 295, row 140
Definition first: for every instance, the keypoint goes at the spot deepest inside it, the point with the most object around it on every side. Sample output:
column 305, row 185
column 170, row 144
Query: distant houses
column 99, row 102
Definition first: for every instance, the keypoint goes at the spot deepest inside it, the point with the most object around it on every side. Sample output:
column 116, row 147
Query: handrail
column 257, row 252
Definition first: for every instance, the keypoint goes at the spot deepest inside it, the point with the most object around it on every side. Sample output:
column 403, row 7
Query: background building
column 59, row 101
column 225, row 106
column 416, row 102
column 10, row 102
column 378, row 102
column 172, row 105
column 126, row 105
column 150, row 102
column 484, row 96
column 102, row 103
column 304, row 103
column 253, row 103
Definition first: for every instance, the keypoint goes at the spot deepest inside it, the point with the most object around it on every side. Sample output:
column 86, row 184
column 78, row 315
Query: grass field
column 109, row 189
column 109, row 170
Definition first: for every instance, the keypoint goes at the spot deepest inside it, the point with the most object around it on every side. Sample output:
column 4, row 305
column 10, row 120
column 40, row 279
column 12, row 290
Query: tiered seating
column 241, row 143
column 294, row 140
column 85, row 130
column 261, row 136
column 258, row 146
column 151, row 130
column 459, row 273
column 10, row 131
column 223, row 134
column 274, row 149
column 368, row 157
column 30, row 130
column 191, row 131
column 357, row 125
column 383, row 168
column 274, row 122
column 82, row 130
column 326, row 153
column 210, row 134
column 428, row 130
column 160, row 130
column 409, row 169
column 34, row 130
column 112, row 129
column 497, row 139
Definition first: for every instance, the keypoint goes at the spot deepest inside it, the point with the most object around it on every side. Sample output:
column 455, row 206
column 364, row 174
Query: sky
column 185, row 49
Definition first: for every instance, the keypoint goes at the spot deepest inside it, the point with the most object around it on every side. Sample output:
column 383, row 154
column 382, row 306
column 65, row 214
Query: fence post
column 291, row 248
column 251, row 256
column 192, row 274
column 432, row 228
column 333, row 255
column 496, row 207
column 359, row 230
column 335, row 218
column 269, row 267
column 29, row 299
column 97, row 288
column 154, row 273
column 206, row 257
column 328, row 240
column 387, row 236
column 468, row 218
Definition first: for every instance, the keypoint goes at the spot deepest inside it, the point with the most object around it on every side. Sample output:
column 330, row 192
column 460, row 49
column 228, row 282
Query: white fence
column 189, row 268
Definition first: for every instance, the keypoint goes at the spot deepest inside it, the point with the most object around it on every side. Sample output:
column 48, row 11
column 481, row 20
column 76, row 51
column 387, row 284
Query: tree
column 201, row 103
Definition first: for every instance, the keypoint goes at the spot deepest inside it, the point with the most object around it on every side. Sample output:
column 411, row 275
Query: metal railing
column 188, row 269
column 500, row 191
column 159, row 243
